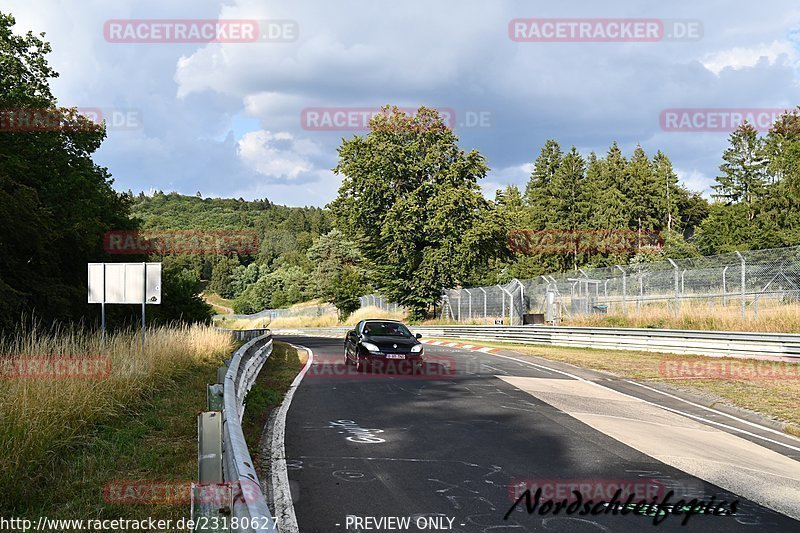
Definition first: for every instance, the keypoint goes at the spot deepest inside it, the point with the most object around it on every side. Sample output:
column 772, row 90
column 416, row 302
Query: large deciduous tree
column 55, row 203
column 410, row 200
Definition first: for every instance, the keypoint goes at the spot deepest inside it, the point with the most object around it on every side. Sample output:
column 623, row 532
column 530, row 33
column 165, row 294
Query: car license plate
column 395, row 356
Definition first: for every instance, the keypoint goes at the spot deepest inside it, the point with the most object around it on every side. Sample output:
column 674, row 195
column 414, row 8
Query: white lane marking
column 714, row 410
column 676, row 411
column 284, row 508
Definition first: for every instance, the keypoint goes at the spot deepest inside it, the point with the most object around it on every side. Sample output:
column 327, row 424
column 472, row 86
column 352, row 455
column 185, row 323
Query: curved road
column 450, row 448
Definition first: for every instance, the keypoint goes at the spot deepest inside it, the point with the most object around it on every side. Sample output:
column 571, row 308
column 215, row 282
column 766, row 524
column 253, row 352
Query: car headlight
column 370, row 347
column 417, row 348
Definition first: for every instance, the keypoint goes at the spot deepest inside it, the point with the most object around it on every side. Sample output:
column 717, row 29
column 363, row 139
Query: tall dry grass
column 242, row 323
column 776, row 318
column 41, row 418
column 372, row 312
column 321, row 321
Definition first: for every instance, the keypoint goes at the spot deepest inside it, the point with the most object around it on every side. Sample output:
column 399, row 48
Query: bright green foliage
column 222, row 276
column 338, row 272
column 757, row 193
column 410, row 199
column 55, row 203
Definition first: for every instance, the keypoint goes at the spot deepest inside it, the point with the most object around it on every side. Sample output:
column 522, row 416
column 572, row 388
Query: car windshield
column 387, row 329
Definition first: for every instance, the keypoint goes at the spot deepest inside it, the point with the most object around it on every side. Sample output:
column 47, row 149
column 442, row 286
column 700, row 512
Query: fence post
column 641, row 291
column 744, row 285
column 510, row 304
column 724, row 289
column 484, row 302
column 503, row 304
column 459, row 306
column 469, row 293
column 624, row 290
column 522, row 307
column 675, row 266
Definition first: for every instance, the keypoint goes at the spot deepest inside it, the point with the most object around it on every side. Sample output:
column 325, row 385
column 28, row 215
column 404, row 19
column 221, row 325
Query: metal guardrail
column 246, row 501
column 245, row 334
column 712, row 343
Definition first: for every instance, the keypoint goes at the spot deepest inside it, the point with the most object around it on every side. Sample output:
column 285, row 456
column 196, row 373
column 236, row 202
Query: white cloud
column 696, row 180
column 449, row 53
column 275, row 154
column 740, row 57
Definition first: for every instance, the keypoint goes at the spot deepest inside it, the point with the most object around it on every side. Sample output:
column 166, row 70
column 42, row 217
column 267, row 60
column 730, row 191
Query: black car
column 383, row 343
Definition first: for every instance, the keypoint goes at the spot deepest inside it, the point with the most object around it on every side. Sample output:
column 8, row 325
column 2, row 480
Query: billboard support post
column 103, row 316
column 144, row 300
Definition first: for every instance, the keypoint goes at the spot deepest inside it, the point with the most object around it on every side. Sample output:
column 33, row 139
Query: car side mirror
column 418, row 335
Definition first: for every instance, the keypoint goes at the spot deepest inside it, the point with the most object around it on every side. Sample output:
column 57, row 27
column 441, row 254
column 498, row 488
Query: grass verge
column 222, row 306
column 320, row 321
column 268, row 392
column 772, row 318
column 67, row 440
column 775, row 398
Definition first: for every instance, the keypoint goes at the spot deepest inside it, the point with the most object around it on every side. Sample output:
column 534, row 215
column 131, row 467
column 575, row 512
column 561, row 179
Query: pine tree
column 668, row 193
column 565, row 191
column 642, row 192
column 744, row 171
column 537, row 192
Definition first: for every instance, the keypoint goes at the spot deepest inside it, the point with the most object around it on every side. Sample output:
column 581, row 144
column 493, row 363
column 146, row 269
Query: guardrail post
column 744, row 284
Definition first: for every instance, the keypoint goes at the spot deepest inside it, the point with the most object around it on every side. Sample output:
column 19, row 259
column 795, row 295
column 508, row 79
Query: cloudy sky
column 253, row 119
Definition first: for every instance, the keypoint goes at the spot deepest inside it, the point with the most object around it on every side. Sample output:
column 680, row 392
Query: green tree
column 410, row 199
column 667, row 194
column 222, row 276
column 538, row 192
column 743, row 175
column 55, row 202
column 565, row 192
column 338, row 272
column 180, row 300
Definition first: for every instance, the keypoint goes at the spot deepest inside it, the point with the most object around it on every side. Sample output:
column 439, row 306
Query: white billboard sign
column 124, row 283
